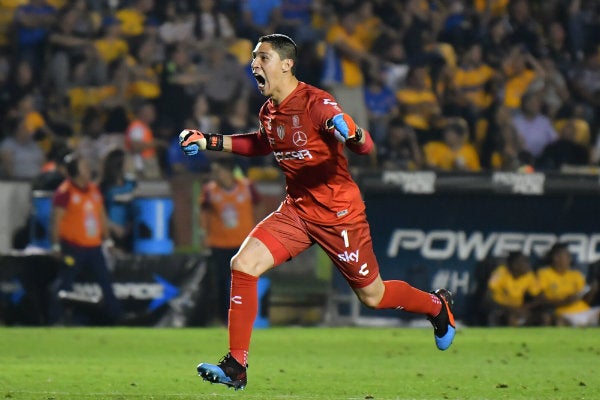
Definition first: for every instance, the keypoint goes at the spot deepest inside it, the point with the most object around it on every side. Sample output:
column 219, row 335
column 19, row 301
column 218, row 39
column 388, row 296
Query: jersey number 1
column 345, row 236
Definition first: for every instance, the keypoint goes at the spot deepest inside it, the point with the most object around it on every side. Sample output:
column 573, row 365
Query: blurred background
column 485, row 115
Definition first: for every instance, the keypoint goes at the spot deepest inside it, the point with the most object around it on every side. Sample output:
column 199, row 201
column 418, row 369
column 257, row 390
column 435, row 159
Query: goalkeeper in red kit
column 306, row 130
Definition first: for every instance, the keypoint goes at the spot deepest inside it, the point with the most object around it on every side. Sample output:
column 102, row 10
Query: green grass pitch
column 301, row 363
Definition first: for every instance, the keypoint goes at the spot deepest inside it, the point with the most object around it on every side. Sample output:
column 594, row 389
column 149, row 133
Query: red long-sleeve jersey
column 318, row 182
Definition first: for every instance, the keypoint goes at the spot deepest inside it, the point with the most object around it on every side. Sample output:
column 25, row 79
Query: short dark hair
column 138, row 103
column 283, row 45
column 456, row 127
column 90, row 115
column 556, row 247
column 71, row 163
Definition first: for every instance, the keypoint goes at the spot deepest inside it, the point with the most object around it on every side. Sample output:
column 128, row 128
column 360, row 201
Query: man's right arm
column 57, row 215
column 245, row 144
column 346, row 131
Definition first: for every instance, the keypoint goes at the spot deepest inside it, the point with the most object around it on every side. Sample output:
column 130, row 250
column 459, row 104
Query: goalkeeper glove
column 192, row 141
column 344, row 128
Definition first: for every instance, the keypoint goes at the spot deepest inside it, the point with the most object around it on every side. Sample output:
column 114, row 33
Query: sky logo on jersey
column 292, row 155
column 349, row 256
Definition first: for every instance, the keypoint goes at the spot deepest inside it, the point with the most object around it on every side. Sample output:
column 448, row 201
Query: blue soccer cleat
column 444, row 328
column 228, row 372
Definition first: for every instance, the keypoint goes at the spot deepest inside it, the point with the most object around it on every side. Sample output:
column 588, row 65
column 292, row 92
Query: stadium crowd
column 441, row 84
column 445, row 85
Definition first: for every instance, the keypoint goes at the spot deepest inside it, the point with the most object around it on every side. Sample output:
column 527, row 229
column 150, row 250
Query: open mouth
column 260, row 80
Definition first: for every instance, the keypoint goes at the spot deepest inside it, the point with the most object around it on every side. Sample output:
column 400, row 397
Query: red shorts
column 348, row 245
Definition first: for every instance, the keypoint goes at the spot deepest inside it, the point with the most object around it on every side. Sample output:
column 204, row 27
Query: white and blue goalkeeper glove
column 344, row 128
column 192, row 141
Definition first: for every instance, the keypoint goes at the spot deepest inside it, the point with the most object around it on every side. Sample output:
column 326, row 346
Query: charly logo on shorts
column 280, row 131
column 300, row 139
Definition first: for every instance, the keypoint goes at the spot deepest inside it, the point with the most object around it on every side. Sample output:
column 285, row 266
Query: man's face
column 533, row 106
column 475, row 54
column 148, row 114
column 562, row 260
column 521, row 266
column 221, row 174
column 85, row 173
column 267, row 68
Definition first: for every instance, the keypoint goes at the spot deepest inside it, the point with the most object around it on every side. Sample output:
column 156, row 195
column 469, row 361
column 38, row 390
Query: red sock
column 242, row 313
column 400, row 295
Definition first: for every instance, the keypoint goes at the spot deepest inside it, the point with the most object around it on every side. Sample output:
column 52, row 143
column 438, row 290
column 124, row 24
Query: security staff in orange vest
column 140, row 142
column 227, row 216
column 79, row 229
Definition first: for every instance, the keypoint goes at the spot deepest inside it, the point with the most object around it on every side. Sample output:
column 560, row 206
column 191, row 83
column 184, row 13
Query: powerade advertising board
column 437, row 236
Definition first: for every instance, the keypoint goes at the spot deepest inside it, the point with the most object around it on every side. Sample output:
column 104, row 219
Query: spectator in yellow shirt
column 7, row 14
column 523, row 74
column 512, row 290
column 493, row 8
column 35, row 122
column 418, row 103
column 455, row 153
column 370, row 25
column 145, row 72
column 133, row 18
column 90, row 84
column 111, row 46
column 347, row 52
column 471, row 78
column 564, row 289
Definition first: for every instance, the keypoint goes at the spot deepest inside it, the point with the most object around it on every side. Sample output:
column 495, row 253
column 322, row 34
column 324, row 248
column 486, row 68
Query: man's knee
column 253, row 261
column 239, row 263
column 371, row 294
column 371, row 301
column 246, row 265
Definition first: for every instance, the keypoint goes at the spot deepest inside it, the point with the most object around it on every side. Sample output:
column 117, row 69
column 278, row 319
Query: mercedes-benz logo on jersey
column 300, row 139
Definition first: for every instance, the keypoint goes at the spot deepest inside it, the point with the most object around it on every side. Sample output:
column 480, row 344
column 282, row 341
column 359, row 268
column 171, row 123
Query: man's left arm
column 364, row 145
